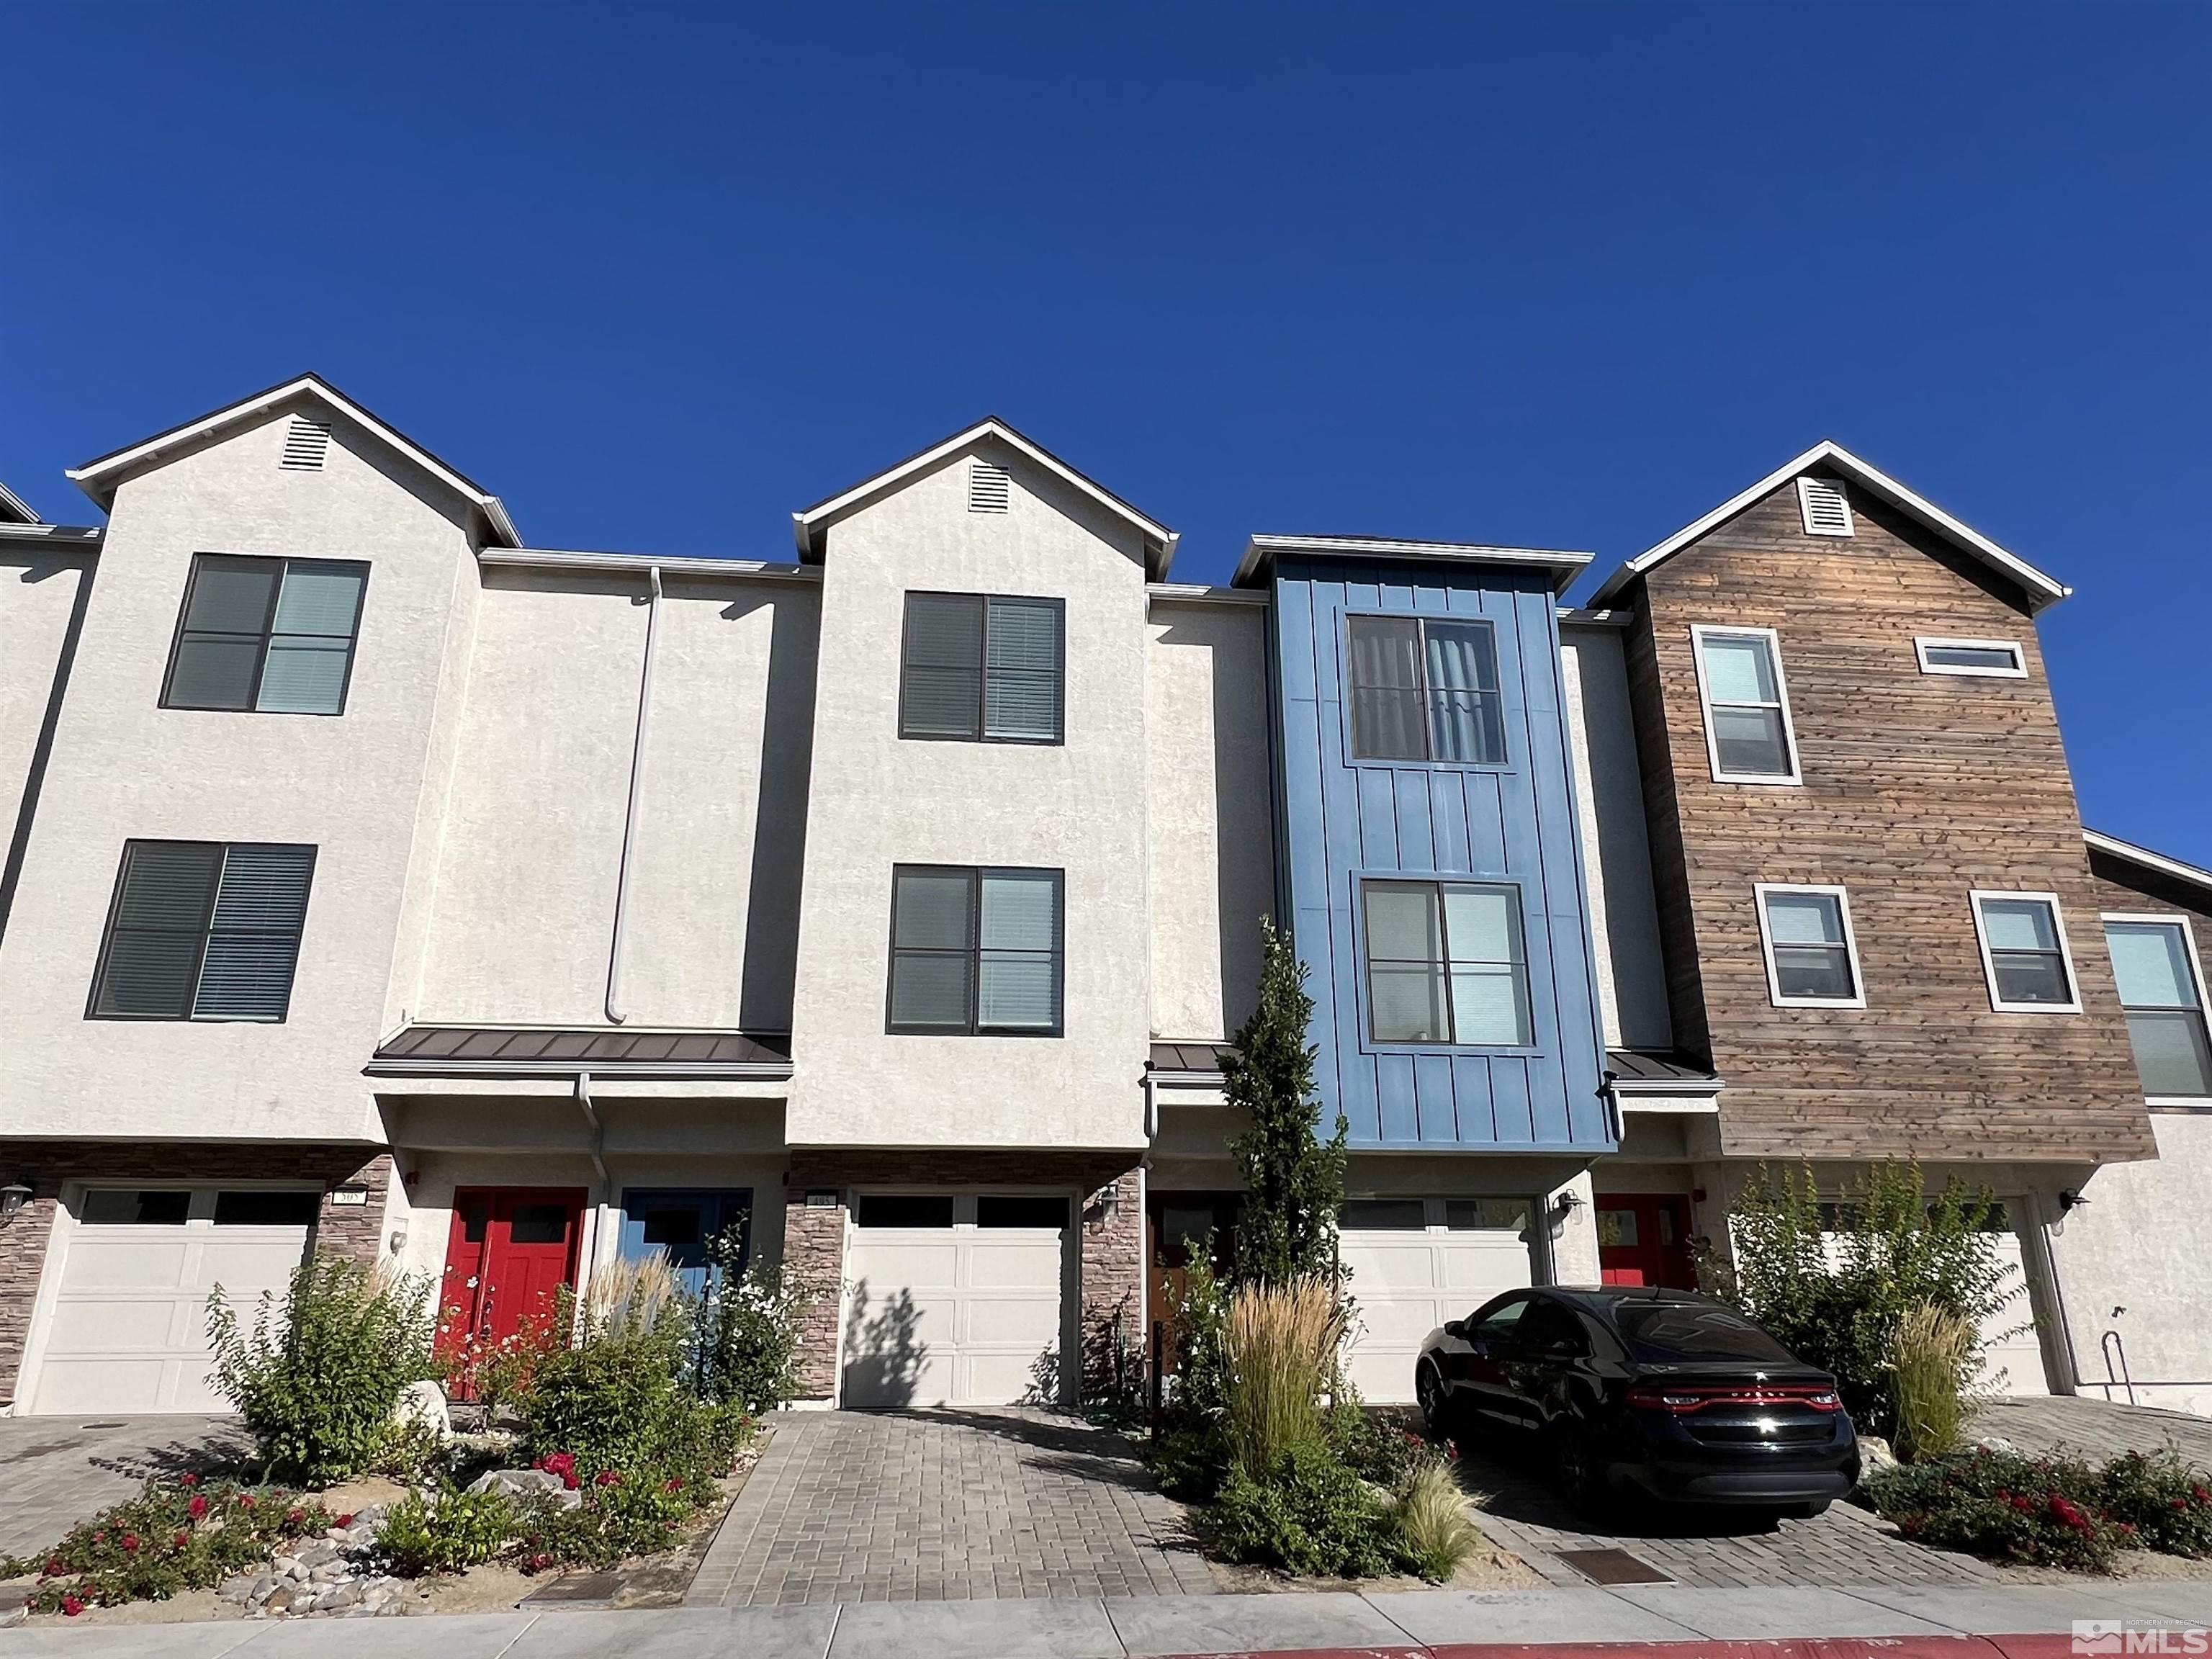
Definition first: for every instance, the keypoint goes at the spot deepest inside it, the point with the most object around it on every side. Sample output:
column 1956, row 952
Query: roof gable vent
column 305, row 445
column 1824, row 507
column 990, row 488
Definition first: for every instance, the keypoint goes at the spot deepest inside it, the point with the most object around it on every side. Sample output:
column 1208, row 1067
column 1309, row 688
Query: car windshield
column 1685, row 1330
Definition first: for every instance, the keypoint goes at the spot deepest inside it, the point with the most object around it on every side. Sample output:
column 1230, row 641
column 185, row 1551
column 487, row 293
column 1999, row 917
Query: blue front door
column 680, row 1220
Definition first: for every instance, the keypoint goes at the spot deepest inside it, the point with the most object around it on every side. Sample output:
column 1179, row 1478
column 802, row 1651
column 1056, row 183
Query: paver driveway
column 58, row 1471
column 949, row 1505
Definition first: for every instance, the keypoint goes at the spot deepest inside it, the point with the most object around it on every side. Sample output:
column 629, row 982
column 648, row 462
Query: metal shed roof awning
column 553, row 1051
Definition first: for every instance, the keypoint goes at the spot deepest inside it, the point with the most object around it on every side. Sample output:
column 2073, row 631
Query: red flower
column 197, row 1507
column 100, row 1538
column 294, row 1517
column 607, row 1478
column 55, row 1567
column 537, row 1563
column 343, row 1521
column 674, row 1483
column 563, row 1464
column 245, row 1500
column 1451, row 1450
column 71, row 1605
column 188, row 1479
column 182, row 1540
column 130, row 1543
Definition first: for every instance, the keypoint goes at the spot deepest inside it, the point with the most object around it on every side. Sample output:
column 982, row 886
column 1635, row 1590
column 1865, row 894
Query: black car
column 1667, row 1391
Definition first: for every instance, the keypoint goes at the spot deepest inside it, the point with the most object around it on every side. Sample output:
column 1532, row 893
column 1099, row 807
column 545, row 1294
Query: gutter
column 532, row 558
column 616, row 1012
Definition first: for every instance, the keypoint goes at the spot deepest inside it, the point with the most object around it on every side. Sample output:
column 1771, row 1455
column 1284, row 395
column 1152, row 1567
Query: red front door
column 510, row 1250
column 1643, row 1239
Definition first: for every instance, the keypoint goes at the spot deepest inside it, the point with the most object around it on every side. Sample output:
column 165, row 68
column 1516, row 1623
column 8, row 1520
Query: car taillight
column 1653, row 1397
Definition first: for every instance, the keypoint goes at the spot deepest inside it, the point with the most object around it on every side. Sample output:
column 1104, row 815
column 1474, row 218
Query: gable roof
column 811, row 526
column 2144, row 859
column 13, row 509
column 2041, row 589
column 100, row 478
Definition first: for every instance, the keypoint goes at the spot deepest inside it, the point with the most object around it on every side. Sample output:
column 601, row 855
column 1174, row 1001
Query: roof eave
column 2144, row 859
column 1262, row 551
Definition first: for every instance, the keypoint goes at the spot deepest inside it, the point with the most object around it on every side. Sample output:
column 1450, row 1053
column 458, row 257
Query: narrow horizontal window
column 1748, row 737
column 1811, row 959
column 2163, row 988
column 1446, row 964
column 982, row 668
column 1425, row 691
column 203, row 930
column 1380, row 1215
column 275, row 636
column 2024, row 953
column 121, row 1206
column 976, row 950
column 2001, row 659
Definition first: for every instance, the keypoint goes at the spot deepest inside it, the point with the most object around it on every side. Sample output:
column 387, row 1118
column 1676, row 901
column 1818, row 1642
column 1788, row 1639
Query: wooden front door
column 510, row 1251
column 1643, row 1239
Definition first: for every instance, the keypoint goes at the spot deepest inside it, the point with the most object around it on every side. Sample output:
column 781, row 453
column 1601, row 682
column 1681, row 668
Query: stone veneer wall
column 353, row 1230
column 1112, row 1247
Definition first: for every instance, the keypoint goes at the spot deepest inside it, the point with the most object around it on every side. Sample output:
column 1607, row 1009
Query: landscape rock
column 516, row 1483
column 1874, row 1456
column 317, row 1555
column 278, row 1601
column 423, row 1405
column 240, row 1588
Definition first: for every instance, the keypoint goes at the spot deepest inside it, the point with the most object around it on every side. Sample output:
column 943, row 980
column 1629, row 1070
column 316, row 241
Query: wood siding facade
column 1916, row 789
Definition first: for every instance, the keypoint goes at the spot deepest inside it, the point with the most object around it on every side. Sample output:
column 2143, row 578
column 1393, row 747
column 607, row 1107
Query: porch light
column 13, row 1197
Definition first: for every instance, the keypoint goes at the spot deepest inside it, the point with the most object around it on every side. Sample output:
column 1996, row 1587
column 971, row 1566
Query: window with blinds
column 203, row 930
column 2024, row 953
column 1446, row 964
column 1748, row 735
column 982, row 668
column 974, row 952
column 273, row 636
column 1812, row 957
column 2155, row 962
column 1425, row 690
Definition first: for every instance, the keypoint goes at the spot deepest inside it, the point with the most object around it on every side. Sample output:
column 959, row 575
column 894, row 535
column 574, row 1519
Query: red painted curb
column 2050, row 1645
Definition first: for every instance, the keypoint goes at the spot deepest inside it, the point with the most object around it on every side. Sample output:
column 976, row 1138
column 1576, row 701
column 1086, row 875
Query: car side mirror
column 1456, row 1329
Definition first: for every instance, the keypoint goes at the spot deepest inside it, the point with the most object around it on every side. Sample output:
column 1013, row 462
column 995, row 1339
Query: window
column 975, row 950
column 262, row 1207
column 904, row 1209
column 1498, row 1324
column 273, row 635
column 1748, row 738
column 1999, row 659
column 1823, row 508
column 116, row 1206
column 1479, row 1215
column 997, row 1210
column 1368, row 1215
column 1811, row 959
column 1425, row 690
column 2162, row 987
column 1549, row 1328
column 2024, row 953
column 982, row 669
column 1445, row 964
column 203, row 930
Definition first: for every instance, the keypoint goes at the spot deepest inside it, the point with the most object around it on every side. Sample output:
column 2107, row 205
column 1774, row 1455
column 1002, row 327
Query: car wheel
column 1807, row 1511
column 1429, row 1394
column 1574, row 1454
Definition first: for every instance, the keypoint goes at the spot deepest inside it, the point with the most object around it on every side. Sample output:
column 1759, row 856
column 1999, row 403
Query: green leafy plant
column 1293, row 1180
column 1305, row 1513
column 2039, row 1511
column 2165, row 1500
column 447, row 1532
column 1833, row 1283
column 1930, row 1351
column 178, row 1535
column 622, row 1516
column 1435, row 1533
column 748, row 1327
column 317, row 1377
column 1282, row 1343
column 1371, row 1446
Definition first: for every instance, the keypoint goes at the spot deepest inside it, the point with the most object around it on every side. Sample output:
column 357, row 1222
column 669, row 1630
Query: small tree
column 1293, row 1180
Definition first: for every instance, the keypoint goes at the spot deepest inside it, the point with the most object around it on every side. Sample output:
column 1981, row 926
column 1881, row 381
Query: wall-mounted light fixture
column 1564, row 1205
column 2070, row 1200
column 13, row 1197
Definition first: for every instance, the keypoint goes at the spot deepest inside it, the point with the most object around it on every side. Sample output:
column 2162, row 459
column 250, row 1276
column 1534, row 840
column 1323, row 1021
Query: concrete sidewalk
column 1445, row 1624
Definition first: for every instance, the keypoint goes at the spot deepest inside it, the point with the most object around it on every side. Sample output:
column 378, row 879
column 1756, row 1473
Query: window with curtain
column 976, row 950
column 1809, row 945
column 1425, row 691
column 1747, row 712
column 2162, row 992
column 1446, row 964
column 982, row 668
column 2024, row 952
column 275, row 636
column 203, row 930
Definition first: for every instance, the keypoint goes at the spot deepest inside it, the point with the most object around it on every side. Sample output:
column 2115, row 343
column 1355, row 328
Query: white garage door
column 2012, row 1357
column 1416, row 1262
column 128, row 1328
column 957, row 1300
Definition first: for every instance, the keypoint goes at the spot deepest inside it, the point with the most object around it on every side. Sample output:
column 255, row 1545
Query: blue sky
column 1566, row 275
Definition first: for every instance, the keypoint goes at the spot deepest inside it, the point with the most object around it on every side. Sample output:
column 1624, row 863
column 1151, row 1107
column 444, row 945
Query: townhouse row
column 382, row 884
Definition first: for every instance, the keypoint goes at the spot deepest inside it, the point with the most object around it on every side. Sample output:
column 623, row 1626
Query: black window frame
column 284, row 561
column 1423, row 691
column 205, row 930
column 973, row 953
column 982, row 732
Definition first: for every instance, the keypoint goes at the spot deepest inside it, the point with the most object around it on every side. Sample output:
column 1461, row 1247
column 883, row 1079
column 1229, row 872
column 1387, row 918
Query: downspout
column 598, row 1148
column 1152, row 1107
column 616, row 1012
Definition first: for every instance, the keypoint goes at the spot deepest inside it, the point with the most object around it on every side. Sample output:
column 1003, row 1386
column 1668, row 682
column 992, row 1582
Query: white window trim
column 1760, row 889
column 1795, row 777
column 1988, row 963
column 2017, row 671
column 2168, row 919
column 1806, row 485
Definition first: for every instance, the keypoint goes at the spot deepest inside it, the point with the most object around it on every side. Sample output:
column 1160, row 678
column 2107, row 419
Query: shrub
column 1434, row 1531
column 2039, row 1511
column 1282, row 1343
column 1304, row 1512
column 498, row 1372
column 748, row 1328
column 622, row 1515
column 2166, row 1501
column 613, row 1402
column 186, row 1534
column 1371, row 1447
column 449, row 1532
column 1832, row 1287
column 1930, row 1353
column 317, row 1380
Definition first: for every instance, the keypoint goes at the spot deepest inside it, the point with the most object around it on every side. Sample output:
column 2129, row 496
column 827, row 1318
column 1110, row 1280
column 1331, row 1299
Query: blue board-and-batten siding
column 1341, row 820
